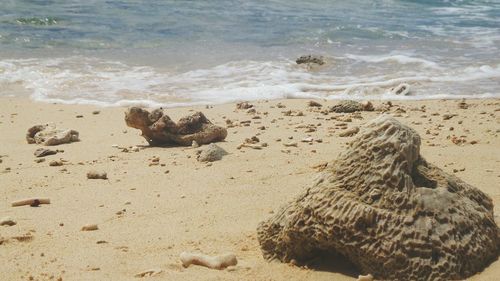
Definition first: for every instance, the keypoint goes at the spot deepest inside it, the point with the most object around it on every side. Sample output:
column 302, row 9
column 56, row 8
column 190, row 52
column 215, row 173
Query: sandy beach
column 160, row 201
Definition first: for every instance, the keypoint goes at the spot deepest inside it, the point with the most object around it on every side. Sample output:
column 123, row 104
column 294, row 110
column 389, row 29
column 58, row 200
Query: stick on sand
column 31, row 201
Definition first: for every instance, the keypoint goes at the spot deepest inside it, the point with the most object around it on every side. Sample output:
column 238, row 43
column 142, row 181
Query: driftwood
column 159, row 129
column 31, row 201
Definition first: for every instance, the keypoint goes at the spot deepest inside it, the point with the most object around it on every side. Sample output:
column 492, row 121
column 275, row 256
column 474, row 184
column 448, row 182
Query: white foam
column 398, row 58
column 107, row 83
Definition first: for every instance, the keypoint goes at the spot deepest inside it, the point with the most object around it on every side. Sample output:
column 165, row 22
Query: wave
column 83, row 80
column 402, row 59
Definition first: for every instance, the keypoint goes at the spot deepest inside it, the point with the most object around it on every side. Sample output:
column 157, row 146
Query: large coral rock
column 349, row 106
column 388, row 211
column 50, row 135
column 159, row 129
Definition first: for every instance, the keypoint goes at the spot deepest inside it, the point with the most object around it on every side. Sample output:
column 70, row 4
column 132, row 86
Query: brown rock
column 389, row 212
column 243, row 105
column 309, row 59
column 55, row 163
column 41, row 152
column 159, row 129
column 97, row 175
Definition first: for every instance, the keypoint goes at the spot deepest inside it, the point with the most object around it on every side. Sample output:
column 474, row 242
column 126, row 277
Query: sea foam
column 82, row 80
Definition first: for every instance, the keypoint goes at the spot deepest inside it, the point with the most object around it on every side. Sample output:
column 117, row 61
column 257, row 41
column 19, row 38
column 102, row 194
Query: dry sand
column 148, row 214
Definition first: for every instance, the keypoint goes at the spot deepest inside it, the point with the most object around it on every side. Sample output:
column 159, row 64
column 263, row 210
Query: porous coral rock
column 389, row 212
column 349, row 106
column 159, row 129
column 50, row 135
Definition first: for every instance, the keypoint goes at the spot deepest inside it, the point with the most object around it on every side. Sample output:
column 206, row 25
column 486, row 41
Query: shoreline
column 148, row 216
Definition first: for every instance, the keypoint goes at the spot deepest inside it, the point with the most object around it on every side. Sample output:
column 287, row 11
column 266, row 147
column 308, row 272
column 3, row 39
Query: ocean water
column 175, row 53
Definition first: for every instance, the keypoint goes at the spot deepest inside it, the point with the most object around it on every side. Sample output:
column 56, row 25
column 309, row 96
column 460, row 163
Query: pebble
column 41, row 152
column 448, row 116
column 97, row 175
column 7, row 221
column 312, row 103
column 309, row 139
column 288, row 144
column 55, row 163
column 90, row 227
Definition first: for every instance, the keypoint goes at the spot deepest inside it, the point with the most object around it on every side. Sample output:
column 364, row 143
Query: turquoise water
column 183, row 52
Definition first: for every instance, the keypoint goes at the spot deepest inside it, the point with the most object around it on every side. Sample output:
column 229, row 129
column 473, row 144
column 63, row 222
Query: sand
column 149, row 211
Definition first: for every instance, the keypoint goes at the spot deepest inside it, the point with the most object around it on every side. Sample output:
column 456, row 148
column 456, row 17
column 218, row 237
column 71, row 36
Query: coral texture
column 349, row 106
column 49, row 135
column 389, row 212
column 159, row 129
